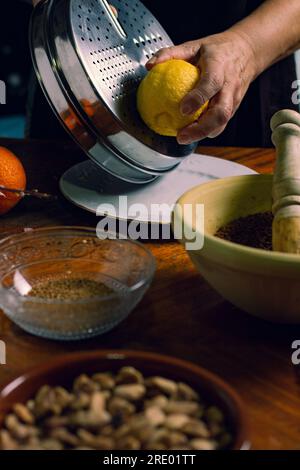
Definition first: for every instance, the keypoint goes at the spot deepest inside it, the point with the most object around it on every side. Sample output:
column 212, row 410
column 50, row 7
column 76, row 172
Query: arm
column 273, row 30
column 230, row 61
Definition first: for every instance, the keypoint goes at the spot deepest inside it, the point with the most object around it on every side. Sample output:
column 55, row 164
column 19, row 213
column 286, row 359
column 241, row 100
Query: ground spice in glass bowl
column 68, row 283
column 253, row 230
column 69, row 289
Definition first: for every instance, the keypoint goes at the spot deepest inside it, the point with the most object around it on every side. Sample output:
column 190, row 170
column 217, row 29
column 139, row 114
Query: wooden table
column 180, row 315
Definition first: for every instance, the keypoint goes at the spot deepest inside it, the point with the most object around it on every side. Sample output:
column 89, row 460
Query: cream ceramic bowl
column 263, row 283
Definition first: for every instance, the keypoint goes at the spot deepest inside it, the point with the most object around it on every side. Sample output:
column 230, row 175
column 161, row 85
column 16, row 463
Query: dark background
column 268, row 94
column 15, row 64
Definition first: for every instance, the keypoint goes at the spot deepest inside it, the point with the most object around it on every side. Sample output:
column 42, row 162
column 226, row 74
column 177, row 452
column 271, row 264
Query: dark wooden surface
column 180, row 315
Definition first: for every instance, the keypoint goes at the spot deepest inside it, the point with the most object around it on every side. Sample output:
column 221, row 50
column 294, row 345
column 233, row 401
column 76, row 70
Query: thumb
column 186, row 51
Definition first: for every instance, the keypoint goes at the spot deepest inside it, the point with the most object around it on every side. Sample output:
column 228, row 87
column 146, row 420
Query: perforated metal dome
column 90, row 63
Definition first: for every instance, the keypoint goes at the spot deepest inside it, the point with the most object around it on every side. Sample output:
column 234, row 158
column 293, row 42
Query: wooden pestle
column 285, row 125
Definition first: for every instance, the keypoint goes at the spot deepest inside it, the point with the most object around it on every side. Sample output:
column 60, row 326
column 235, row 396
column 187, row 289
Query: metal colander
column 89, row 63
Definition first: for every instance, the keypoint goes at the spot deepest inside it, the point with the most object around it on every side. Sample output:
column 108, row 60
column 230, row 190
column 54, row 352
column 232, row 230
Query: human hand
column 228, row 66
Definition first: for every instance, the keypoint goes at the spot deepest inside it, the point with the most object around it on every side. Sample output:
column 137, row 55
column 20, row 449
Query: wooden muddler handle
column 286, row 182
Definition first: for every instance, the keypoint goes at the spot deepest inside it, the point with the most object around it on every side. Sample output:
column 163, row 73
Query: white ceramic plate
column 82, row 185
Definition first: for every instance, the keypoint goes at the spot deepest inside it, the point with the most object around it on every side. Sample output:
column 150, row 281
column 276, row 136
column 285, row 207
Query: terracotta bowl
column 263, row 283
column 63, row 370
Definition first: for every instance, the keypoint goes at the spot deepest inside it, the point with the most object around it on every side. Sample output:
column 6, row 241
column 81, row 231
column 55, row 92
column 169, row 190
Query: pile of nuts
column 122, row 411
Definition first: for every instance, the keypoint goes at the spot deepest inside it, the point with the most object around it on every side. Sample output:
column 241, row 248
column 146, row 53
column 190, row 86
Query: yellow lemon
column 161, row 92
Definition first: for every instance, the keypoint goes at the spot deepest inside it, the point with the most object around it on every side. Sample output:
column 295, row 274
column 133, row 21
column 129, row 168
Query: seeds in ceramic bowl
column 116, row 411
column 254, row 230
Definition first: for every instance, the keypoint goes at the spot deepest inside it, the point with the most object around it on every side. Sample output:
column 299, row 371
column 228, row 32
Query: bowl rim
column 231, row 247
column 213, row 380
column 14, row 239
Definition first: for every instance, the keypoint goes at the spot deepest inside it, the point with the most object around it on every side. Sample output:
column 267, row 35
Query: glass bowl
column 69, row 283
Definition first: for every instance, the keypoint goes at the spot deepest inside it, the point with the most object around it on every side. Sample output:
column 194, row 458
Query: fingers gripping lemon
column 161, row 92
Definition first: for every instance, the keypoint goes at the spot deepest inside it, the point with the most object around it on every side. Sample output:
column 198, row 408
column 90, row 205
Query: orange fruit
column 12, row 175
